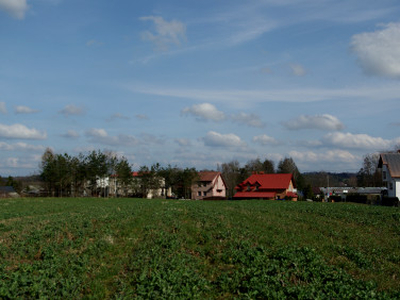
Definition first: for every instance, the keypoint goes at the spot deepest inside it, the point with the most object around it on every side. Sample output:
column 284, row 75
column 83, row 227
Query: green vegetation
column 124, row 248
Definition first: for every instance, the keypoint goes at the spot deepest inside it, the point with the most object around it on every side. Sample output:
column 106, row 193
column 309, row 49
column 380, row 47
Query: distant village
column 102, row 174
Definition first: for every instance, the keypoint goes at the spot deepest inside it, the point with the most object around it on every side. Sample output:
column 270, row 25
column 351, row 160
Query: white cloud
column 71, row 109
column 19, row 131
column 204, row 112
column 141, row 117
column 248, row 119
column 24, row 110
column 328, row 156
column 244, row 98
column 379, row 51
column 117, row 116
column 250, row 31
column 16, row 8
column 3, row 109
column 183, row 142
column 332, row 160
column 265, row 140
column 215, row 139
column 309, row 143
column 150, row 139
column 357, row 141
column 321, row 122
column 208, row 112
column 20, row 147
column 166, row 33
column 297, row 69
column 99, row 135
column 21, row 163
column 71, row 134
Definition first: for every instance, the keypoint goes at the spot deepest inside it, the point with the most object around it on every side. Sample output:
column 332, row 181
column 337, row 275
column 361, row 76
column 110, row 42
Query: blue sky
column 199, row 83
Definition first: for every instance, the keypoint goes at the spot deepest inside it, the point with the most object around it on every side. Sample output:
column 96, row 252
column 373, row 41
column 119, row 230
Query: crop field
column 125, row 248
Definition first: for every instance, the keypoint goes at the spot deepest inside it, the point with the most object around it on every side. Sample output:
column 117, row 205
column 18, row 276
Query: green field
column 124, row 248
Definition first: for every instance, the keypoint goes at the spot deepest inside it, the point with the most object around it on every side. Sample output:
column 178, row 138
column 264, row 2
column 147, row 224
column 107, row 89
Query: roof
column 392, row 161
column 269, row 181
column 208, row 175
column 254, row 195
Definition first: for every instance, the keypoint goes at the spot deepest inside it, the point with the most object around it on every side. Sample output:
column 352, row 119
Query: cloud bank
column 24, row 110
column 71, row 110
column 166, row 33
column 3, row 109
column 19, row 131
column 215, row 139
column 204, row 112
column 378, row 52
column 320, row 122
column 16, row 8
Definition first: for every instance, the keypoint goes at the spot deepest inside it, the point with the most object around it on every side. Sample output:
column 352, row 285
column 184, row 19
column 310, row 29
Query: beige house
column 210, row 186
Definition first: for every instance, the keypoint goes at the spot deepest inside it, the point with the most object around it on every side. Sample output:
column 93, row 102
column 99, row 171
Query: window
column 204, row 194
column 198, row 193
column 384, row 175
column 391, row 185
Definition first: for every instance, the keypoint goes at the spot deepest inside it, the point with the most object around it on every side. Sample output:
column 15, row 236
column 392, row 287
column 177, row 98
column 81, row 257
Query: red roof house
column 267, row 186
column 210, row 186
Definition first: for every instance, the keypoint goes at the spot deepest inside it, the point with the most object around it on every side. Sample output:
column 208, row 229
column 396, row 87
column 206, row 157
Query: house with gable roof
column 209, row 186
column 267, row 187
column 390, row 165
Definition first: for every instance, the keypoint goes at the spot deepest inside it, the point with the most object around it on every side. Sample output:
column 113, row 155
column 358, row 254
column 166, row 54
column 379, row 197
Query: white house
column 390, row 165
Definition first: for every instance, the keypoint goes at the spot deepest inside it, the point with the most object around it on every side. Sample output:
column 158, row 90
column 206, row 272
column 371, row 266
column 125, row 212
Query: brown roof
column 208, row 176
column 392, row 161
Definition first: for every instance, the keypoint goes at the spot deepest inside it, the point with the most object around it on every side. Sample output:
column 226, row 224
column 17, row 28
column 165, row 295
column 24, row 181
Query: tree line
column 71, row 176
column 65, row 175
column 85, row 174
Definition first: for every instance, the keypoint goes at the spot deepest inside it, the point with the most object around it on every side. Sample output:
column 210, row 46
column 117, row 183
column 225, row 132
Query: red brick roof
column 268, row 181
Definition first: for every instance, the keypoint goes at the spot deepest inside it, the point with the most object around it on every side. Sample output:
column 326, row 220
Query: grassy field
column 124, row 248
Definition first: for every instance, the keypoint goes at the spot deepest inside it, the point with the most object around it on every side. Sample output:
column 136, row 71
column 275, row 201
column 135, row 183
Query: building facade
column 210, row 185
column 390, row 165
